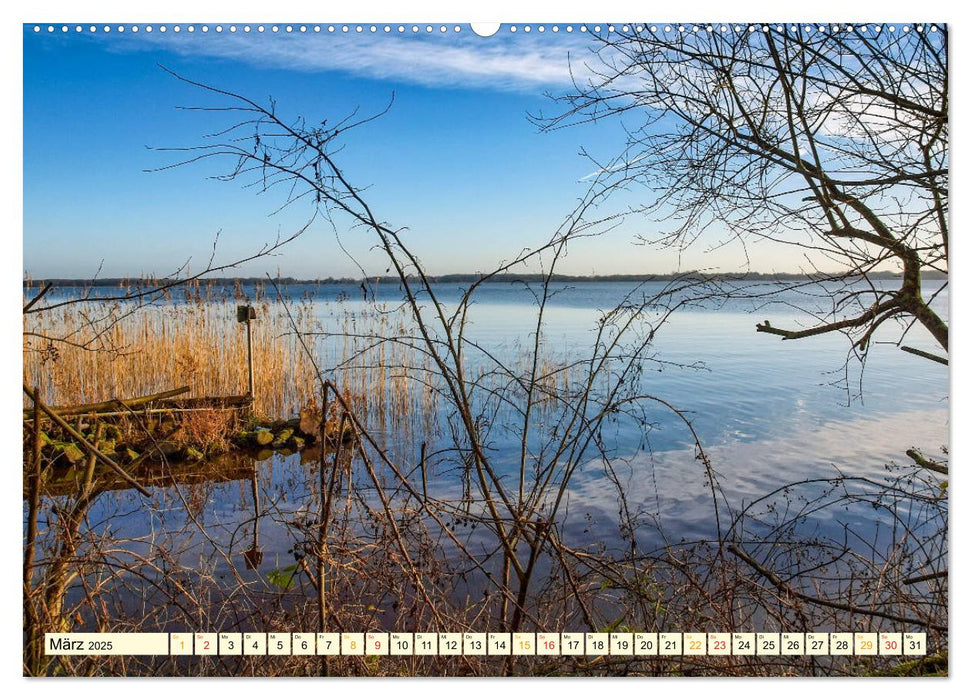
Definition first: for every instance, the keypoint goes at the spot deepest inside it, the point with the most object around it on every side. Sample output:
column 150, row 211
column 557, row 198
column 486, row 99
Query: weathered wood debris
column 154, row 428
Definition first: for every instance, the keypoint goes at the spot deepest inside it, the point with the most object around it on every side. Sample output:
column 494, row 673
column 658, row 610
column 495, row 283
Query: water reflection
column 238, row 510
column 767, row 413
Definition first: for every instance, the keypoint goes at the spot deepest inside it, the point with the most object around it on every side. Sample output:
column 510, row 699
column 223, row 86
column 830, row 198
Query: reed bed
column 100, row 350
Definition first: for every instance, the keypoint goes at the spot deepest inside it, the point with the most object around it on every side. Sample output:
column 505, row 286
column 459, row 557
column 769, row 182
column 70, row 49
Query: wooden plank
column 113, row 403
column 210, row 402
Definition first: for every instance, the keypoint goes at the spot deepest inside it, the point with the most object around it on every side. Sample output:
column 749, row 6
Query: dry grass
column 102, row 350
column 209, row 431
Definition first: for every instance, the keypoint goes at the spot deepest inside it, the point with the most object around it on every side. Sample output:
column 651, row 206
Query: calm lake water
column 768, row 412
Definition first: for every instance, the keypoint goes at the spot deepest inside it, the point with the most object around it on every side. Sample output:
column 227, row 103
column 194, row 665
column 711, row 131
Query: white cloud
column 511, row 63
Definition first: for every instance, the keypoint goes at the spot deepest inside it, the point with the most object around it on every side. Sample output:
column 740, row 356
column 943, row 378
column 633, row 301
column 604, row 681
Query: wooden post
column 247, row 314
column 249, row 354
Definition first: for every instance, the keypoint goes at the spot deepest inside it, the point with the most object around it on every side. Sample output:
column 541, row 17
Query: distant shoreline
column 462, row 277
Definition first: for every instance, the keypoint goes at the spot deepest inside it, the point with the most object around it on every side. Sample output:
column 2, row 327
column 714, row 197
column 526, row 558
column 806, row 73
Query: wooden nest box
column 245, row 314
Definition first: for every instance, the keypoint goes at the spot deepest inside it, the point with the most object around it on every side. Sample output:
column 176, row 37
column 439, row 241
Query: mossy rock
column 254, row 422
column 258, row 437
column 125, row 453
column 112, row 432
column 68, row 452
column 214, row 449
column 193, row 455
column 96, row 433
column 296, row 442
column 171, row 449
column 264, row 454
column 282, row 437
column 106, row 446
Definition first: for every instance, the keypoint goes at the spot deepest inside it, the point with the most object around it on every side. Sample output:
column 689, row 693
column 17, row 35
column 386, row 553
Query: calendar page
column 535, row 349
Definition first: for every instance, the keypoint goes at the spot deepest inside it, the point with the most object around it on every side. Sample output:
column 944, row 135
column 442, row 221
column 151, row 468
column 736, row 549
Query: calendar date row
column 489, row 644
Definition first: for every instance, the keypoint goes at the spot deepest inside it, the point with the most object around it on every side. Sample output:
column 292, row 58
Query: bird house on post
column 245, row 314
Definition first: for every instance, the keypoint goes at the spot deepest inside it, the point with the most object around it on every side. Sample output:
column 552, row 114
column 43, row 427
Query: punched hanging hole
column 485, row 28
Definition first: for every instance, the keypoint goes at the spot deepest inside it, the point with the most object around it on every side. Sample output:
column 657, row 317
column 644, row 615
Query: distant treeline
column 461, row 277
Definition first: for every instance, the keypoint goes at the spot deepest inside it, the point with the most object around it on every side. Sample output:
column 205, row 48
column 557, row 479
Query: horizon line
column 472, row 277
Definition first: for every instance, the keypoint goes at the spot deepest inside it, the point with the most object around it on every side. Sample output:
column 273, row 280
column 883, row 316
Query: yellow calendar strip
column 630, row 644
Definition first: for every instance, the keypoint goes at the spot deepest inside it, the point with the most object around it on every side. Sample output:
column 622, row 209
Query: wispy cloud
column 510, row 63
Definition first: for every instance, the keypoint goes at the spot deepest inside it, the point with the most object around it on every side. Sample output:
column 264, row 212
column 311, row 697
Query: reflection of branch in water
column 224, row 468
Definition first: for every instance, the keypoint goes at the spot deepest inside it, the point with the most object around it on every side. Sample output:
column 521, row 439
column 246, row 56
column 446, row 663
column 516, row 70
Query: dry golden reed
column 101, row 350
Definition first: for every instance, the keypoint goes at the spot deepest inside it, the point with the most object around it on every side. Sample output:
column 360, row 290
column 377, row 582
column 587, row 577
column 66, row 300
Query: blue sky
column 455, row 160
